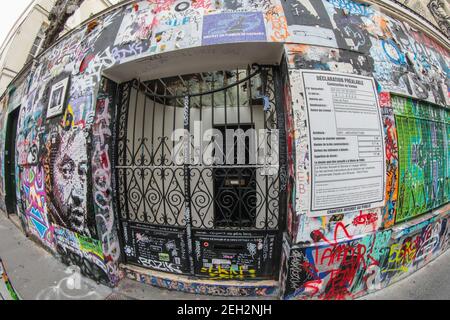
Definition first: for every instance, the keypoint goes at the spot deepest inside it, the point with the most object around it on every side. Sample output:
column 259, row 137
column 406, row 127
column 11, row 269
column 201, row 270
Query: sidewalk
column 432, row 282
column 36, row 274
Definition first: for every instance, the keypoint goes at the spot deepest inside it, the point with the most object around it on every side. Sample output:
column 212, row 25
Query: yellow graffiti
column 402, row 269
column 220, row 273
column 402, row 253
column 68, row 120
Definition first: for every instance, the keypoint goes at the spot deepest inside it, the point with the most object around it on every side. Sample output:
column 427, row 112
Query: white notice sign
column 346, row 143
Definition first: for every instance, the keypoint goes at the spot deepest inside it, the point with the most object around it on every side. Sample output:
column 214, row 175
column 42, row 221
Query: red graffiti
column 85, row 63
column 385, row 99
column 339, row 285
column 198, row 4
column 340, row 225
column 313, row 287
column 317, row 235
column 161, row 5
column 340, row 252
column 391, row 137
column 365, row 219
column 338, row 270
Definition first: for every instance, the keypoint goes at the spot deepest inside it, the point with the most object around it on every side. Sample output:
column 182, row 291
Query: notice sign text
column 347, row 144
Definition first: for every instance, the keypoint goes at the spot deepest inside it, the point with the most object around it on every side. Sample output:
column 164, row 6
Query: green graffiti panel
column 423, row 135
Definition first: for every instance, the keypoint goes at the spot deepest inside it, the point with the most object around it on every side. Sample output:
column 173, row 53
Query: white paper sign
column 346, row 143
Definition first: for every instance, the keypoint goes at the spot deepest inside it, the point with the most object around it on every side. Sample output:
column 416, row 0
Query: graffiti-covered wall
column 393, row 54
column 366, row 98
column 343, row 251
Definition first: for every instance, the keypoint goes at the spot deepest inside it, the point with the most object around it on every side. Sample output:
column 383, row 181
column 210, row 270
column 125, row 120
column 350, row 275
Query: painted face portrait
column 69, row 179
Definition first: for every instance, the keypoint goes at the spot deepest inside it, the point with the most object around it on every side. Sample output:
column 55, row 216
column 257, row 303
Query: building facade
column 25, row 39
column 435, row 11
column 287, row 148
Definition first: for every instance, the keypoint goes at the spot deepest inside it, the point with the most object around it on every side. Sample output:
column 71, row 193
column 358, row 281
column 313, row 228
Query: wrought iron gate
column 190, row 200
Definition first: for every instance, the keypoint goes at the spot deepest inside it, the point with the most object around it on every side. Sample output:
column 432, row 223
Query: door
column 235, row 184
column 10, row 164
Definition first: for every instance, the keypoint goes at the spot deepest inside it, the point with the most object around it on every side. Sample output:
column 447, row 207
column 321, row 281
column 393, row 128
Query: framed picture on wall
column 57, row 98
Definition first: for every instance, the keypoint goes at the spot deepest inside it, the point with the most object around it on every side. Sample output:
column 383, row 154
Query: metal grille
column 182, row 167
column 152, row 184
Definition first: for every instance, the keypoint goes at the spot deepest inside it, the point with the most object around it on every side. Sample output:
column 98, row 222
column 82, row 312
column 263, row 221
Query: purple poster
column 233, row 27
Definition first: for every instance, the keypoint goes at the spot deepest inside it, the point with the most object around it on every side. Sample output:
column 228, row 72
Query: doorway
column 235, row 186
column 220, row 220
column 10, row 163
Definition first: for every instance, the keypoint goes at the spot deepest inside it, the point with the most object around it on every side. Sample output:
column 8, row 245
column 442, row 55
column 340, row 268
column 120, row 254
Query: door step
column 187, row 284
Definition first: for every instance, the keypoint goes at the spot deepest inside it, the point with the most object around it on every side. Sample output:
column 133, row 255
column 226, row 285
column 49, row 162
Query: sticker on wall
column 89, row 251
column 233, row 27
column 136, row 25
column 309, row 23
column 223, row 257
column 347, row 144
column 57, row 98
column 158, row 248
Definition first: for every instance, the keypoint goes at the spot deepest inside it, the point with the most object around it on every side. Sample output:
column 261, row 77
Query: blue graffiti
column 393, row 52
column 36, row 219
column 353, row 7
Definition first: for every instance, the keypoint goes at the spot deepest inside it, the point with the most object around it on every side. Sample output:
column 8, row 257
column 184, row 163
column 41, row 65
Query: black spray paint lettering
column 99, row 62
column 132, row 49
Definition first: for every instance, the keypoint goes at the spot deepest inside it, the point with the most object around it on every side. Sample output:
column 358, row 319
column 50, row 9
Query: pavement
column 37, row 275
column 431, row 282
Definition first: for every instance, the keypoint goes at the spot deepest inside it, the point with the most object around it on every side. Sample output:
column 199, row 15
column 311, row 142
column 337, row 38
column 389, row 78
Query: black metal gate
column 200, row 173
